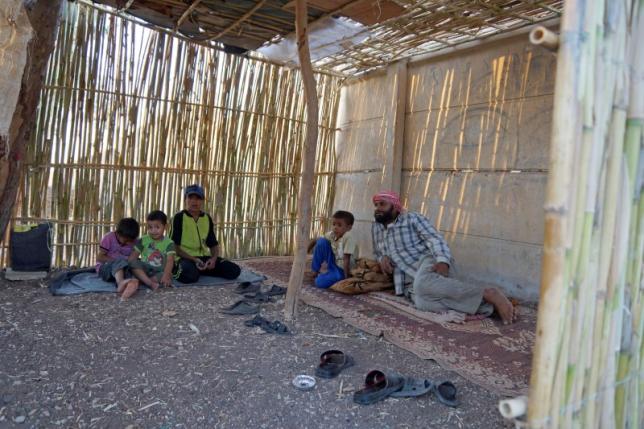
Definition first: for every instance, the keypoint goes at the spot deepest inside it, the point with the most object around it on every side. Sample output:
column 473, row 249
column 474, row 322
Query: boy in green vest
column 152, row 259
column 193, row 232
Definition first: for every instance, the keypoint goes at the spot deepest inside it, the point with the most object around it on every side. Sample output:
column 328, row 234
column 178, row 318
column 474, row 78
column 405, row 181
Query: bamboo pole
column 566, row 117
column 592, row 336
column 541, row 36
column 308, row 166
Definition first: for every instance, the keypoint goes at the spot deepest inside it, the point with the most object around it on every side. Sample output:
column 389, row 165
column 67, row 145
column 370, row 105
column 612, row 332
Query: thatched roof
column 387, row 29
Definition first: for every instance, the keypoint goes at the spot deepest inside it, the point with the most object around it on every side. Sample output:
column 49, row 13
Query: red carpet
column 484, row 351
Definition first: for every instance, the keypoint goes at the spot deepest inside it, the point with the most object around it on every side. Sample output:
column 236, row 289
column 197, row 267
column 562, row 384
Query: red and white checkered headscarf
column 390, row 197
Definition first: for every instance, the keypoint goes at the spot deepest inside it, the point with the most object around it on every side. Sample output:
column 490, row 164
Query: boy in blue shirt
column 338, row 249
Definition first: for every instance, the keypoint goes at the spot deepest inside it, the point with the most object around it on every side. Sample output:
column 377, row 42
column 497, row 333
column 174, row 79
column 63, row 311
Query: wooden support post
column 44, row 17
column 395, row 134
column 308, row 166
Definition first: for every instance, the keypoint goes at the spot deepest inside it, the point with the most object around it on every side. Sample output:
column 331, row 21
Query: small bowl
column 304, row 382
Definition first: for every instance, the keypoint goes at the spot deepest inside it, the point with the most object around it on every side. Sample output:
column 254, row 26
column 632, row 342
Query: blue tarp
column 86, row 280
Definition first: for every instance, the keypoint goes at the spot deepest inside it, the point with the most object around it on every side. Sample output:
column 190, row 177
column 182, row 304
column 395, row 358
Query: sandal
column 247, row 287
column 258, row 297
column 378, row 386
column 332, row 362
column 276, row 290
column 240, row 308
column 413, row 387
column 256, row 321
column 446, row 393
column 275, row 327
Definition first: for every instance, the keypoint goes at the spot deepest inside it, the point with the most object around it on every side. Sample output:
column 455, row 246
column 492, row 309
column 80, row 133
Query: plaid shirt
column 406, row 241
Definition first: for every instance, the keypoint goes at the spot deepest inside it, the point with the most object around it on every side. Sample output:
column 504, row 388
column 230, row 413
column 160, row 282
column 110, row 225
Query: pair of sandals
column 383, row 384
column 253, row 296
column 274, row 327
column 250, row 288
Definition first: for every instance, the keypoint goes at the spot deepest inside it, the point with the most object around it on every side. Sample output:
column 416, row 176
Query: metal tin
column 304, row 382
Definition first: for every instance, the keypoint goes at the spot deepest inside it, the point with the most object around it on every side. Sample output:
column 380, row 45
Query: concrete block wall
column 473, row 148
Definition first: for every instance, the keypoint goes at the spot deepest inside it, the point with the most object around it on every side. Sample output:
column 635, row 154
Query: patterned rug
column 484, row 351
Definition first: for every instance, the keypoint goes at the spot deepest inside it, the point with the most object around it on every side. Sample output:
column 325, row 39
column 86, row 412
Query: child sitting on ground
column 153, row 256
column 113, row 253
column 338, row 249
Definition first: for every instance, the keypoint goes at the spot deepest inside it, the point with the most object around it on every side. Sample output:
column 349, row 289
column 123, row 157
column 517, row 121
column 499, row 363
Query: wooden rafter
column 187, row 13
column 410, row 32
column 332, row 12
column 127, row 6
column 241, row 19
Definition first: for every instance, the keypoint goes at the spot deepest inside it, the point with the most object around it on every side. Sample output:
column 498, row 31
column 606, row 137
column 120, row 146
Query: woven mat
column 484, row 351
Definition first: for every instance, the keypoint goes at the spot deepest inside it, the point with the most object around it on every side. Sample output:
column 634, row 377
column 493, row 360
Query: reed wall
column 587, row 367
column 129, row 116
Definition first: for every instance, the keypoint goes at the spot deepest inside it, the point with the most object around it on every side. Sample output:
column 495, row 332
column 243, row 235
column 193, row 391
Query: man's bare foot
column 131, row 287
column 501, row 304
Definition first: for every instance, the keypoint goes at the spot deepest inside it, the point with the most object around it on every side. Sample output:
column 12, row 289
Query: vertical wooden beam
column 308, row 167
column 395, row 134
column 44, row 17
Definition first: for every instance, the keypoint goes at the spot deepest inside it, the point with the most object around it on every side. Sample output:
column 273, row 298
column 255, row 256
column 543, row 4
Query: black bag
column 31, row 250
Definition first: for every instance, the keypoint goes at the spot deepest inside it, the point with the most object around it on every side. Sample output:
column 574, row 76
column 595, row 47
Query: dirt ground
column 170, row 359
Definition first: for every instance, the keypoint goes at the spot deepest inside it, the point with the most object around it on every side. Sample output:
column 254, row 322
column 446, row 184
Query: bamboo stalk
column 591, row 374
column 565, row 120
column 541, row 36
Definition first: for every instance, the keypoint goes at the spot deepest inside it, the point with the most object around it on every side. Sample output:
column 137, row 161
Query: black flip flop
column 413, row 387
column 276, row 290
column 247, row 287
column 275, row 327
column 240, row 308
column 446, row 393
column 332, row 362
column 377, row 386
column 256, row 321
column 257, row 297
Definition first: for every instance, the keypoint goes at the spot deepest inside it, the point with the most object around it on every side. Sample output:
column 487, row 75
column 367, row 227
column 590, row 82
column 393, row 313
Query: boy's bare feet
column 121, row 287
column 309, row 276
column 131, row 287
column 501, row 304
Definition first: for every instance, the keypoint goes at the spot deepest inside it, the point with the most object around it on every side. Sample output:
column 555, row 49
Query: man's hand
column 386, row 265
column 441, row 268
column 210, row 263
